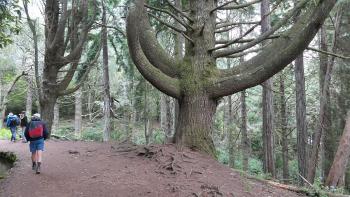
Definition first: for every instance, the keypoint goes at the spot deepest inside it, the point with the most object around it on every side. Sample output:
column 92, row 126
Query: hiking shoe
column 37, row 169
column 34, row 166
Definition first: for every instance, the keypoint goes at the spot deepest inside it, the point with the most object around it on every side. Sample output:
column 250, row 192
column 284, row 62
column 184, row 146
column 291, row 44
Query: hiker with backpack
column 12, row 122
column 36, row 133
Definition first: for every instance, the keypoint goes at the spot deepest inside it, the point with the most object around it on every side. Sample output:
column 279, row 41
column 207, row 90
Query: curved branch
column 155, row 76
column 276, row 56
column 259, row 39
column 153, row 50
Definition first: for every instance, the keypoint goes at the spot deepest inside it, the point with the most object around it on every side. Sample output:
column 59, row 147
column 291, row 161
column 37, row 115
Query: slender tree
column 106, row 88
column 78, row 122
column 195, row 81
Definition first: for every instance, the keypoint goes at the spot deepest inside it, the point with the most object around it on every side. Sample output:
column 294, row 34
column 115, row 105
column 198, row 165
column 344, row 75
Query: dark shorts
column 36, row 145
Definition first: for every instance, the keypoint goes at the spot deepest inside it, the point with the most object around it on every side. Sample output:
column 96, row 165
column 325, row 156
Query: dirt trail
column 77, row 169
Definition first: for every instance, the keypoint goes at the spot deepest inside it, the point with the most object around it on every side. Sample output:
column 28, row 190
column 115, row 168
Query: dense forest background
column 309, row 95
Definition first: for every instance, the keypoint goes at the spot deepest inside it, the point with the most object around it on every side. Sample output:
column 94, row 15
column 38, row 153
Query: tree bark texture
column 106, row 85
column 29, row 100
column 78, row 113
column 329, row 135
column 194, row 80
column 283, row 126
column 301, row 117
column 244, row 131
column 341, row 158
column 56, row 118
column 267, row 102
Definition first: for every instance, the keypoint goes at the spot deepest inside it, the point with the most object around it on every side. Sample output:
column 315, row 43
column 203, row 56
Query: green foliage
column 9, row 21
column 5, row 134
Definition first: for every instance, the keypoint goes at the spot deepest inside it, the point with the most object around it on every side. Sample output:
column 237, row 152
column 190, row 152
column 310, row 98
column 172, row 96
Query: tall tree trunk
column 329, row 136
column 146, row 114
column 29, row 100
column 78, row 113
column 106, row 88
column 56, row 118
column 341, row 158
column 90, row 104
column 268, row 131
column 244, row 131
column 283, row 127
column 301, row 117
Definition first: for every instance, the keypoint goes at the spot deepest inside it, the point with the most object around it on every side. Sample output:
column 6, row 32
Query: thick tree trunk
column 106, row 88
column 268, row 141
column 29, row 100
column 267, row 102
column 341, row 158
column 196, row 122
column 283, row 127
column 301, row 117
column 244, row 131
column 47, row 108
column 78, row 113
column 56, row 118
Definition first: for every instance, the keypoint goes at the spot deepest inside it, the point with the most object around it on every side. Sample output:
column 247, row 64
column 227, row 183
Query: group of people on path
column 13, row 121
column 34, row 131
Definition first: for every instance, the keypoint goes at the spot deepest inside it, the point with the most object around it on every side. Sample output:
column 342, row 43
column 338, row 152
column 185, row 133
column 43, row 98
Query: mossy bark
column 195, row 123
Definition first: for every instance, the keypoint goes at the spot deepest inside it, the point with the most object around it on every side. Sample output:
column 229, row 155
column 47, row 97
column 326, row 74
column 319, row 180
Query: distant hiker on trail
column 36, row 133
column 12, row 123
column 24, row 122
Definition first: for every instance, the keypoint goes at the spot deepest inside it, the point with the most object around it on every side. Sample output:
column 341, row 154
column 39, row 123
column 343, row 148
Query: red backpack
column 36, row 130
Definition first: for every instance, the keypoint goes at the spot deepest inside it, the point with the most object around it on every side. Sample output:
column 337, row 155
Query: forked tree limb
column 154, row 52
column 276, row 56
column 170, row 14
column 156, row 77
column 263, row 36
column 179, row 11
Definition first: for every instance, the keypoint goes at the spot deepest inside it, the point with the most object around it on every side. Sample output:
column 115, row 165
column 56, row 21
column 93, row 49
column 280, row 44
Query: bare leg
column 39, row 155
column 34, row 157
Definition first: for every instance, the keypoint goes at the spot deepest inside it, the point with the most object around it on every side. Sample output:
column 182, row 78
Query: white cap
column 37, row 115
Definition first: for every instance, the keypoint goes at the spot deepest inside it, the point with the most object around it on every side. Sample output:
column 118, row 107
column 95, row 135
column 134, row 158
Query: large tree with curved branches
column 67, row 27
column 196, row 81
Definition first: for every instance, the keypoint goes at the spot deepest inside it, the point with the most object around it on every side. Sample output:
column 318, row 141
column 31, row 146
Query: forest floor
column 74, row 169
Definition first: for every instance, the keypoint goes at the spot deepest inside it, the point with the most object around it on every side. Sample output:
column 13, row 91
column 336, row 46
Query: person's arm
column 26, row 132
column 45, row 131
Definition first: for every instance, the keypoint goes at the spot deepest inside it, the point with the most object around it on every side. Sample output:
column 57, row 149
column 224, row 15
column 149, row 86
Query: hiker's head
column 36, row 116
column 10, row 114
